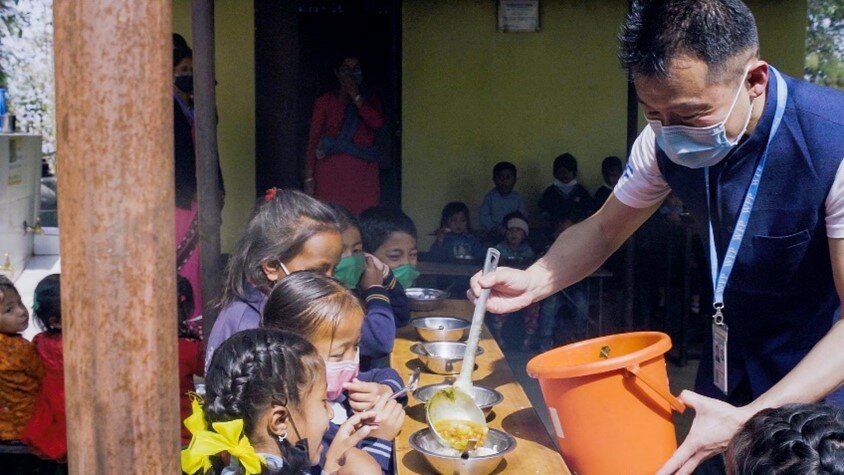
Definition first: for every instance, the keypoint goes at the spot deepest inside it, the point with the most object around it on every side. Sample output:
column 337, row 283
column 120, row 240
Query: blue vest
column 781, row 298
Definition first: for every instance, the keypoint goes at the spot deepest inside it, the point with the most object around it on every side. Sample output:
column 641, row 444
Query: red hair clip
column 269, row 195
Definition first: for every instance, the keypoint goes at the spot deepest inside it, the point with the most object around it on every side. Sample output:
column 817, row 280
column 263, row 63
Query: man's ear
column 758, row 77
column 277, row 424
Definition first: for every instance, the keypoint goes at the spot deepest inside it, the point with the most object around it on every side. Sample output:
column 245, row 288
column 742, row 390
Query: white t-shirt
column 642, row 184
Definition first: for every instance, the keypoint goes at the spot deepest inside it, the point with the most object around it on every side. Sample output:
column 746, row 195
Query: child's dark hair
column 307, row 303
column 281, row 225
column 502, row 166
column 185, row 307
column 566, row 161
column 345, row 219
column 47, row 304
column 610, row 163
column 379, row 222
column 5, row 286
column 255, row 369
column 794, row 439
column 453, row 208
column 181, row 50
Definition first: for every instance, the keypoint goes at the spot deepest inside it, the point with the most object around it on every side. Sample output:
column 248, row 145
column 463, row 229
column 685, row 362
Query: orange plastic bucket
column 609, row 402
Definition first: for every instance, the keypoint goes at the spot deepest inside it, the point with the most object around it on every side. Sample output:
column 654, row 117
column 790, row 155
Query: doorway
column 297, row 44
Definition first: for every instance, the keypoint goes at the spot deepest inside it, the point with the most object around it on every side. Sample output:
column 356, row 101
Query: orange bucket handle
column 674, row 402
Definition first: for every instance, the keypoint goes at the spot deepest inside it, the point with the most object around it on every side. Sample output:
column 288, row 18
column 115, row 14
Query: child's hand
column 363, row 396
column 390, row 418
column 348, row 435
column 373, row 275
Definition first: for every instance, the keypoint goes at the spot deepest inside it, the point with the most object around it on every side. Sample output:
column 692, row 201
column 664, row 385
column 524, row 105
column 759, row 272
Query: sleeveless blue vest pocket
column 776, row 260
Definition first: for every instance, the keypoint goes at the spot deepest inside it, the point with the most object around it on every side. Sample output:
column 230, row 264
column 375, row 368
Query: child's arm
column 360, row 462
column 378, row 334
column 398, row 300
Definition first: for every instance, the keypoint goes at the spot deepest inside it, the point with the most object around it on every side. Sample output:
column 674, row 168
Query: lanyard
column 722, row 275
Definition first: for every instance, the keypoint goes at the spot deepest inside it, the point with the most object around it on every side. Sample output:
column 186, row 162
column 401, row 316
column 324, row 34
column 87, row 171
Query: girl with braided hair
column 266, row 412
column 330, row 316
column 797, row 439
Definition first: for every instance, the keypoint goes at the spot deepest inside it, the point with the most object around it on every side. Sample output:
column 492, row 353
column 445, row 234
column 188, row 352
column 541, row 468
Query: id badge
column 719, row 356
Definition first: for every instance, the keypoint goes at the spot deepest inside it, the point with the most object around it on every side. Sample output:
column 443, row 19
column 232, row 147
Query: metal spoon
column 412, row 384
column 457, row 402
column 470, row 446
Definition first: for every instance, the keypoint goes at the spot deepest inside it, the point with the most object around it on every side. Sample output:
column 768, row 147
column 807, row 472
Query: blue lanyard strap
column 722, row 275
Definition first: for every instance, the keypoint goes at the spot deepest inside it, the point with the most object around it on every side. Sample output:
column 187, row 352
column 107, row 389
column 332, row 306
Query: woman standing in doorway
column 342, row 164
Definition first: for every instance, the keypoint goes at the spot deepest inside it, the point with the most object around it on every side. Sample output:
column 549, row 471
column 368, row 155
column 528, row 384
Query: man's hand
column 512, row 289
column 715, row 424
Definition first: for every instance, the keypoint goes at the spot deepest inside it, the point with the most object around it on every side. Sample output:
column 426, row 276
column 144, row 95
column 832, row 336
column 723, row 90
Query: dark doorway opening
column 296, row 46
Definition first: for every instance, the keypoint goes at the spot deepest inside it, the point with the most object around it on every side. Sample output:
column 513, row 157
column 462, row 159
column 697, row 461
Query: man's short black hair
column 566, row 161
column 379, row 222
column 501, row 166
column 714, row 31
column 797, row 438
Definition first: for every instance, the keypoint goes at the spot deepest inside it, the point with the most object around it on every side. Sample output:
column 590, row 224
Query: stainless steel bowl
column 442, row 357
column 425, row 300
column 441, row 328
column 485, row 397
column 448, row 461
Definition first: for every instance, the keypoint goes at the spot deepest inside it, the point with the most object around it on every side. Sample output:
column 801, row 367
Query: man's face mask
column 699, row 147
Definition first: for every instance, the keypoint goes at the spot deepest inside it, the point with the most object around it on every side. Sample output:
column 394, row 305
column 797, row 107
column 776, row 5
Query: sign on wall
column 518, row 16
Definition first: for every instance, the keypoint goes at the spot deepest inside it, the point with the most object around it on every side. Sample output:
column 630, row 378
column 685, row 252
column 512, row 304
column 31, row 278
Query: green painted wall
column 473, row 96
column 235, row 42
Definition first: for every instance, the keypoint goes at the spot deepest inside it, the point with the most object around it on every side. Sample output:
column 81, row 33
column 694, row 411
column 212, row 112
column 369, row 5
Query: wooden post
column 114, row 114
column 207, row 161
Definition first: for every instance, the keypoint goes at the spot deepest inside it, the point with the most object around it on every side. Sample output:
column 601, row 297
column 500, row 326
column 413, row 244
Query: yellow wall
column 473, row 96
column 235, row 103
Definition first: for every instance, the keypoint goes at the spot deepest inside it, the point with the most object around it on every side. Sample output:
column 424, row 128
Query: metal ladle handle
column 464, row 380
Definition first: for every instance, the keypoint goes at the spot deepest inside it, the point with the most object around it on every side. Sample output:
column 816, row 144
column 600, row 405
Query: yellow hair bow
column 192, row 461
column 224, row 437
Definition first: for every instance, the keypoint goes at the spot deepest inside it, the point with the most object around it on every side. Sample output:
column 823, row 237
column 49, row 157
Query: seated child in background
column 269, row 387
column 46, row 432
column 330, row 316
column 376, row 286
column 563, row 316
column 20, row 367
column 455, row 241
column 798, row 439
column 516, row 252
column 500, row 201
column 565, row 196
column 191, row 360
column 289, row 231
column 390, row 235
column 611, row 170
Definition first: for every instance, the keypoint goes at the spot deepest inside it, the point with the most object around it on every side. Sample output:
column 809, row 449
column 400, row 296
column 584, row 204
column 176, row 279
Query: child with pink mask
column 327, row 314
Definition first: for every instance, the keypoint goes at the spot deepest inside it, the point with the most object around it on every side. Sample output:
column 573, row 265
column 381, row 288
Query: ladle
column 457, row 402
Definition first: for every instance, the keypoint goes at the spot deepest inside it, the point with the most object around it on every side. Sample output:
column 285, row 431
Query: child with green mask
column 384, row 299
column 390, row 235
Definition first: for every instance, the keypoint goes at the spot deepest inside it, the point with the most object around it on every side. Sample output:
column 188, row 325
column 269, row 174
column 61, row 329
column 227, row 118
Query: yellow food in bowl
column 458, row 433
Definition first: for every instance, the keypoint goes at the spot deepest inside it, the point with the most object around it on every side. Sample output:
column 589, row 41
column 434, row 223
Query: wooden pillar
column 207, row 158
column 114, row 115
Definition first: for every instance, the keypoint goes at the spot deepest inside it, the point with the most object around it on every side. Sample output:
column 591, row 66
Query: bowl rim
column 415, row 351
column 415, row 446
column 440, row 294
column 498, row 396
column 416, row 322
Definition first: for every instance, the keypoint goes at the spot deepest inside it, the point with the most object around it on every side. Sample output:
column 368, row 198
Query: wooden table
column 535, row 452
